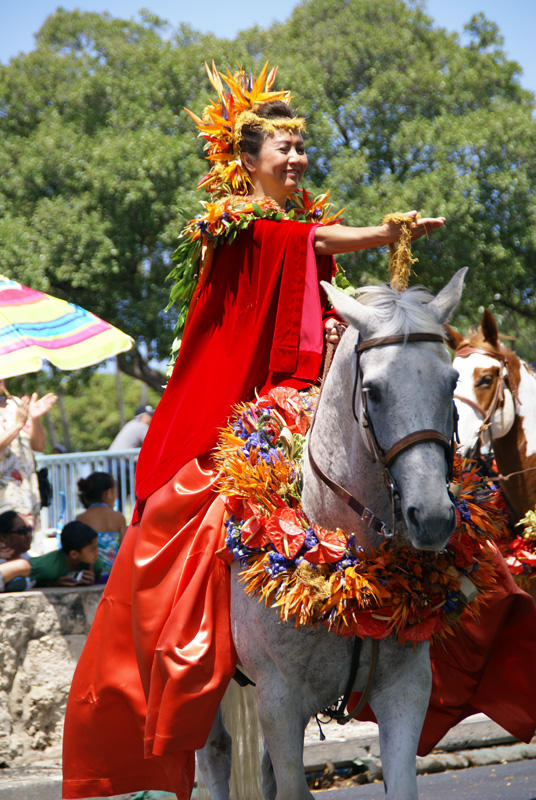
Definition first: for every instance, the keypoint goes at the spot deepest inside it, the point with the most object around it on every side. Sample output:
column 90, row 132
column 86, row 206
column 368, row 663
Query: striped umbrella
column 35, row 327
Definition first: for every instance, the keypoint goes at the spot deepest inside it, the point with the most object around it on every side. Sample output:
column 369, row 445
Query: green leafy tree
column 98, row 163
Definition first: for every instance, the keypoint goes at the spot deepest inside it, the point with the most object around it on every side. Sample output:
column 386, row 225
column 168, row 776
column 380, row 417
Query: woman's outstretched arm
column 333, row 239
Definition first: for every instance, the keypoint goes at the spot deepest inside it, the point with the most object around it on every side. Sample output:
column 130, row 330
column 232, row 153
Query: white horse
column 408, row 382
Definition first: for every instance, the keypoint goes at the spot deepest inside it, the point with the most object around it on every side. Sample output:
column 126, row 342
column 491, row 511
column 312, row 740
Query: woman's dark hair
column 76, row 535
column 91, row 489
column 253, row 136
column 6, row 521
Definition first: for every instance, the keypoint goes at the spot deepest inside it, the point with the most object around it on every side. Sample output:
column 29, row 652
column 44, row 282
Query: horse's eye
column 484, row 382
column 372, row 392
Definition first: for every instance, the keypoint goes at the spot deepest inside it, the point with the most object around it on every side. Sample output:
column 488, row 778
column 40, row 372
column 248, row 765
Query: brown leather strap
column 366, row 514
column 471, row 403
column 425, row 435
column 467, row 350
column 383, row 341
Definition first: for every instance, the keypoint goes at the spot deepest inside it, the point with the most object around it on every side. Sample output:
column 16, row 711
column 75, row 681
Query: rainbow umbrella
column 36, row 327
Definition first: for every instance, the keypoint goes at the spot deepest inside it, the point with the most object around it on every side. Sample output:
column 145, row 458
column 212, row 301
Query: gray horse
column 396, row 387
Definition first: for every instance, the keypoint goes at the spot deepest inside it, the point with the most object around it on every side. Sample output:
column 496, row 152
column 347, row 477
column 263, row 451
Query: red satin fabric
column 143, row 699
column 243, row 335
column 160, row 653
column 488, row 667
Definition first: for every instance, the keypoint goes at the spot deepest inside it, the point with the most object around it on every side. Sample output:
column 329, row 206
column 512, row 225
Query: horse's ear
column 452, row 337
column 489, row 328
column 350, row 309
column 444, row 303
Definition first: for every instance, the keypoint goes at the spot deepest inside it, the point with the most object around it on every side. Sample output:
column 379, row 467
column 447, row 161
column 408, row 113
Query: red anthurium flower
column 253, row 533
column 286, row 532
column 330, row 548
column 368, row 624
column 422, row 630
column 288, row 402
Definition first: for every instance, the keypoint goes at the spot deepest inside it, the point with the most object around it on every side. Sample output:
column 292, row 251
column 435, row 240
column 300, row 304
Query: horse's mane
column 400, row 313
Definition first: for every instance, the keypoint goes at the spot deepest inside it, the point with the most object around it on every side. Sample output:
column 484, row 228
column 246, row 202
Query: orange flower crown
column 223, row 119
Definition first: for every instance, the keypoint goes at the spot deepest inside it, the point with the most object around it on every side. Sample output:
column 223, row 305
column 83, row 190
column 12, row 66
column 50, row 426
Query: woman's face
column 279, row 167
column 19, row 537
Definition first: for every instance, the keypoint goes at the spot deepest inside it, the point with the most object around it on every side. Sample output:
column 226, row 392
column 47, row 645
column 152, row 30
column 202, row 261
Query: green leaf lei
column 221, row 222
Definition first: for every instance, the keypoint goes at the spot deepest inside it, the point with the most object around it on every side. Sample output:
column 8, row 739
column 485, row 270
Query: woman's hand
column 40, row 406
column 22, row 412
column 333, row 331
column 419, row 227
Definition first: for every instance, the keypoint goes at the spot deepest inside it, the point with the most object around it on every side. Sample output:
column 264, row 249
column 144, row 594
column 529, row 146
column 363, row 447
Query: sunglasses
column 23, row 531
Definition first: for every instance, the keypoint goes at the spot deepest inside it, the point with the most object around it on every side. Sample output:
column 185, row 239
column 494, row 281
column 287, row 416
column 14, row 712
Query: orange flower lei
column 313, row 575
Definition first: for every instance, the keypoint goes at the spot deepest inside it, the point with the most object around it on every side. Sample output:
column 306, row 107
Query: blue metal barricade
column 65, row 470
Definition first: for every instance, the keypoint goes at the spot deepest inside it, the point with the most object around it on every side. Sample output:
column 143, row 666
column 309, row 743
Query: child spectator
column 98, row 494
column 75, row 564
column 15, row 541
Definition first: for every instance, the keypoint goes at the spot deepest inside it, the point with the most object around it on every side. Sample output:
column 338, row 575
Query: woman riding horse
column 160, row 653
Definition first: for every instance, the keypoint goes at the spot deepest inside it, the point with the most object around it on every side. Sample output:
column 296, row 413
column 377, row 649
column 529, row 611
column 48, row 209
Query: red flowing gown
column 160, row 653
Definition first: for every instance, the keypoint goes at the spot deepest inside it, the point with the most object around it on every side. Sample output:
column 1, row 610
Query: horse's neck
column 338, row 446
column 517, row 450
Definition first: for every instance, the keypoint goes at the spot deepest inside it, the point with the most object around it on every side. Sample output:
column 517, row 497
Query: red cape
column 243, row 335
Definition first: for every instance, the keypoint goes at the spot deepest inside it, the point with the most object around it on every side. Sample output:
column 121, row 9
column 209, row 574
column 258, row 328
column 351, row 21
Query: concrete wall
column 42, row 633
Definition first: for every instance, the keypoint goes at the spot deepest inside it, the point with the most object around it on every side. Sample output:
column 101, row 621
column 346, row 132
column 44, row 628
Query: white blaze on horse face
column 526, row 394
column 470, row 420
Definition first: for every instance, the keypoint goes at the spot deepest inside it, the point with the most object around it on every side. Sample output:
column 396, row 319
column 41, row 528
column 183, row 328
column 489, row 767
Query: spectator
column 98, row 493
column 77, row 563
column 133, row 433
column 21, row 432
column 15, row 541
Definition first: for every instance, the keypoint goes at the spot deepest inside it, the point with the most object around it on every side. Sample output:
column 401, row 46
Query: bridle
column 496, row 401
column 385, row 458
column 366, row 515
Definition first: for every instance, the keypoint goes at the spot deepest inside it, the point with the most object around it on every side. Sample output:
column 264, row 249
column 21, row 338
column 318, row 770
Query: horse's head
column 406, row 383
column 483, row 394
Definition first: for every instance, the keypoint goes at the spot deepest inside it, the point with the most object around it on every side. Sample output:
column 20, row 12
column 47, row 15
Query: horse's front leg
column 399, row 700
column 283, row 724
column 214, row 760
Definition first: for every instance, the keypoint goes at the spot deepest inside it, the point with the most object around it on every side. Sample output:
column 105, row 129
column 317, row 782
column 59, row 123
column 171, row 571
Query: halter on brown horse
column 496, row 400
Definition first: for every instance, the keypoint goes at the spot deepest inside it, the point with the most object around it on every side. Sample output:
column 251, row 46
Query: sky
column 515, row 18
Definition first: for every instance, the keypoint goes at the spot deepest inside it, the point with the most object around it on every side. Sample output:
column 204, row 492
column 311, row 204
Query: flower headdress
column 223, row 119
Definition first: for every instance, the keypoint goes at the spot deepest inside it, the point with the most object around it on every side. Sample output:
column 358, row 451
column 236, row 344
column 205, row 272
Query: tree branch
column 523, row 311
column 135, row 365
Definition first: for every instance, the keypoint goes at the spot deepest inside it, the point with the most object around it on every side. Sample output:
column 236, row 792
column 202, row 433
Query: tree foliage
column 91, row 418
column 98, row 163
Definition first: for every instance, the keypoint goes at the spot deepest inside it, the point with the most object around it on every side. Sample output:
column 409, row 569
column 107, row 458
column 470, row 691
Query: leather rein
column 386, row 458
column 365, row 514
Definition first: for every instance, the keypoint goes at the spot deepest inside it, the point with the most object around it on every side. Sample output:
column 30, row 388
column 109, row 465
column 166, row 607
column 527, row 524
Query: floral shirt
column 19, row 489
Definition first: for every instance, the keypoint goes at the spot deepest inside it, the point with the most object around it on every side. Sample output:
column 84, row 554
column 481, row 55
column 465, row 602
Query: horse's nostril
column 413, row 515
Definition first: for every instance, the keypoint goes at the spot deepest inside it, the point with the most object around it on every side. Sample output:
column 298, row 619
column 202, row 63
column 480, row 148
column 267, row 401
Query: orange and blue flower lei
column 314, row 575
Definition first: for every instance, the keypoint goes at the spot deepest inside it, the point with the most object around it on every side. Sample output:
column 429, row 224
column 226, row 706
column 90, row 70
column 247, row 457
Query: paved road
column 514, row 781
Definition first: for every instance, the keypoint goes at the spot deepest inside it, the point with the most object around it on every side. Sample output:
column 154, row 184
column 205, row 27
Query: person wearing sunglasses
column 15, row 541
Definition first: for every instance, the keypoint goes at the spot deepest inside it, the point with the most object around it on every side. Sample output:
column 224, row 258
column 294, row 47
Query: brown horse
column 496, row 402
